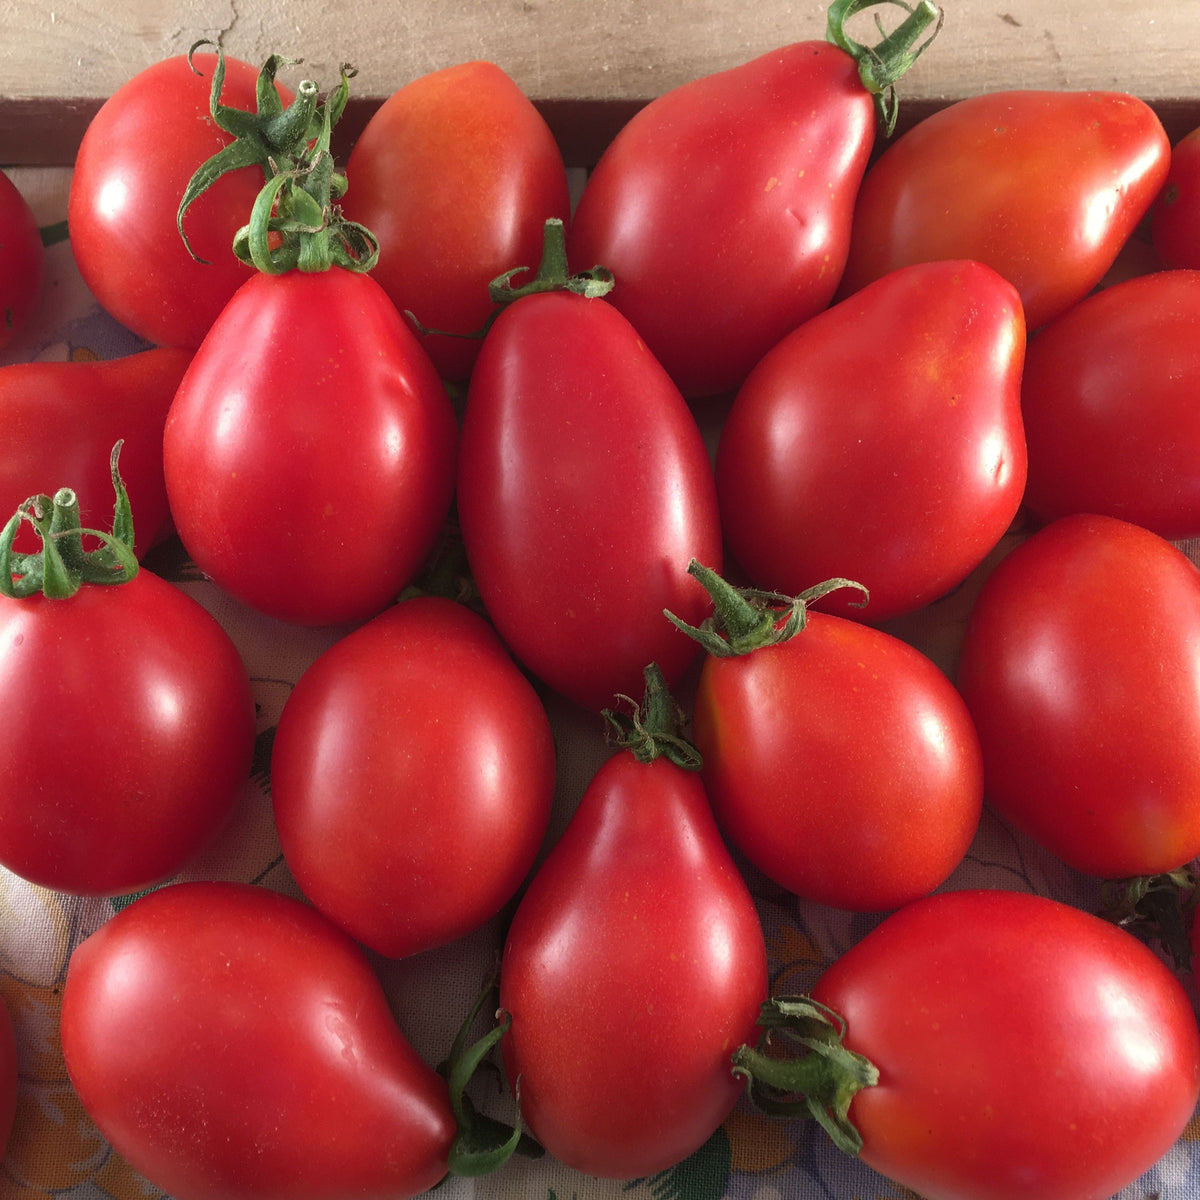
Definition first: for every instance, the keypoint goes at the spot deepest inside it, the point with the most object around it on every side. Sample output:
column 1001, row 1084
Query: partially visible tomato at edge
column 131, row 170
column 22, row 260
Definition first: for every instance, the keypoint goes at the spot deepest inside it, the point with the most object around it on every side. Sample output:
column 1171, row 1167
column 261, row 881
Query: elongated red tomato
column 1081, row 668
column 863, row 823
column 309, row 452
column 60, row 421
column 455, row 174
column 881, row 442
column 633, row 968
column 232, row 1044
column 1024, row 1048
column 584, row 490
column 22, row 261
column 724, row 206
column 1175, row 217
column 1108, row 398
column 412, row 777
column 130, row 173
column 1044, row 187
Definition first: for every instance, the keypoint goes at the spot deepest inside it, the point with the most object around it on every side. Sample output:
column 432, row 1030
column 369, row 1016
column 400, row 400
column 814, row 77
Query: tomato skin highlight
column 60, row 421
column 309, row 452
column 132, row 167
column 584, row 490
column 723, row 208
column 233, row 1045
column 1108, row 402
column 412, row 778
column 22, row 261
column 137, row 706
column 455, row 174
column 1024, row 1048
column 634, row 967
column 864, row 825
column 881, row 442
column 1081, row 667
column 1044, row 187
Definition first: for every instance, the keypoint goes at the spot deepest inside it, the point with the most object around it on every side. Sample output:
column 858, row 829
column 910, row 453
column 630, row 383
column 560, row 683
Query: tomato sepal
column 818, row 1084
column 551, row 275
column 63, row 566
column 481, row 1143
column 655, row 727
column 1156, row 908
column 749, row 619
column 881, row 66
column 295, row 223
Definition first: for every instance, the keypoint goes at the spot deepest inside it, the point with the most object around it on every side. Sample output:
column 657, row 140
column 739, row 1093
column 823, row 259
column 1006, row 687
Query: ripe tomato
column 412, row 839
column 232, row 1044
column 1108, row 398
column 309, row 452
column 137, row 709
column 723, row 207
column 1175, row 217
column 634, row 966
column 455, row 174
column 22, row 264
column 584, row 490
column 862, row 824
column 1045, row 187
column 132, row 167
column 907, row 488
column 60, row 420
column 1081, row 667
column 1024, row 1048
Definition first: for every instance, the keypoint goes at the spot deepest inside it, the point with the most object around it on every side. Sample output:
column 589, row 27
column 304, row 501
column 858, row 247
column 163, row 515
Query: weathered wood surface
column 588, row 63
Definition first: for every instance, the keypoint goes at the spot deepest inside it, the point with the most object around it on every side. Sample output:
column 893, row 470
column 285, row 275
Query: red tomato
column 137, row 707
column 22, row 262
column 584, row 490
column 132, row 167
column 1175, row 217
column 412, row 837
column 60, row 420
column 1045, row 187
column 862, row 824
column 1108, row 397
column 634, row 966
column 455, row 174
column 1081, row 668
column 881, row 442
column 1025, row 1048
column 309, row 452
column 723, row 209
column 232, row 1044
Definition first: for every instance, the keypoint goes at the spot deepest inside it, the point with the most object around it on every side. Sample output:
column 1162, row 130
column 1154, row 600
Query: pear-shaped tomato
column 634, row 967
column 232, row 1044
column 881, row 442
column 455, row 174
column 584, row 490
column 724, row 206
column 309, row 451
column 1045, row 187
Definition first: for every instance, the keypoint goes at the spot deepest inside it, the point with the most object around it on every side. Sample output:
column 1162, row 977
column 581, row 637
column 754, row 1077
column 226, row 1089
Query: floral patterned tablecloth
column 56, row 1152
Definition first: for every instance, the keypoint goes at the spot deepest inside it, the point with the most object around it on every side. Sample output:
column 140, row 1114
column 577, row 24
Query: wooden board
column 588, row 63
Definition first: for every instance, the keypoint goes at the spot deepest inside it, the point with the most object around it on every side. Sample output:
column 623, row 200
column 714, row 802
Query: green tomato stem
column 63, row 566
column 655, row 727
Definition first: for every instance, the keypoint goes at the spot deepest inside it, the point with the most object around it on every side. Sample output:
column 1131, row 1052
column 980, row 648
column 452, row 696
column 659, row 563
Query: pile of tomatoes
column 427, row 365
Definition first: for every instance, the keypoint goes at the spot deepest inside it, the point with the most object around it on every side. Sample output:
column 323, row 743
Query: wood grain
column 587, row 63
